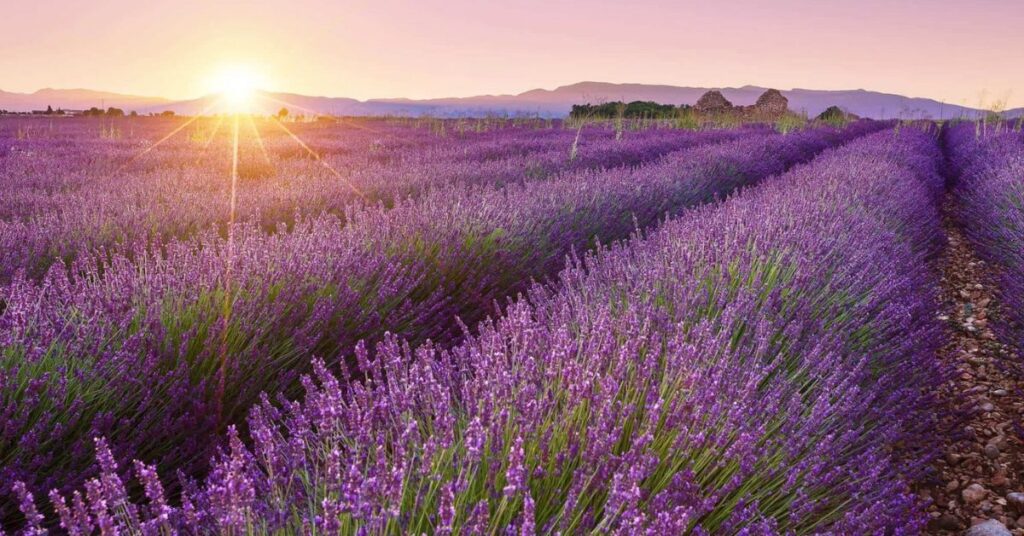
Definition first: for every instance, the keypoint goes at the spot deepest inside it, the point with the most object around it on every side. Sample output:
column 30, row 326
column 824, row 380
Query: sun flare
column 237, row 87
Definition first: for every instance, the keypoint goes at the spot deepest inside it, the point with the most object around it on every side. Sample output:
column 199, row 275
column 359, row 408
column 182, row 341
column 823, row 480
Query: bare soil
column 982, row 440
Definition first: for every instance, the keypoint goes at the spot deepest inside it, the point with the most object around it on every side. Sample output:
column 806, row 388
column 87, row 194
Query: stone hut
column 712, row 102
column 771, row 103
column 770, row 106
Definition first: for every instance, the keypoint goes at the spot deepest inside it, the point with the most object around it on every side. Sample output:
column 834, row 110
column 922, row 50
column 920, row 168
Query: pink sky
column 960, row 52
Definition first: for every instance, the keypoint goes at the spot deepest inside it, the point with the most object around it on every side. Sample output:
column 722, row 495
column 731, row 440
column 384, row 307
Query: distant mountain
column 75, row 99
column 559, row 101
column 543, row 102
column 269, row 103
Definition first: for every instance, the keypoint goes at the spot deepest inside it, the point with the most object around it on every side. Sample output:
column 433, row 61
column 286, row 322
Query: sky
column 960, row 52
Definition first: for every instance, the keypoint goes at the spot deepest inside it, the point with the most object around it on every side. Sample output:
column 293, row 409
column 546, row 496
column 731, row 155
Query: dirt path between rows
column 980, row 475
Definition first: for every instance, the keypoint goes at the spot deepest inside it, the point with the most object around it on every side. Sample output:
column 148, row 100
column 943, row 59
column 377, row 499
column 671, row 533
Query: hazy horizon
column 517, row 92
column 386, row 49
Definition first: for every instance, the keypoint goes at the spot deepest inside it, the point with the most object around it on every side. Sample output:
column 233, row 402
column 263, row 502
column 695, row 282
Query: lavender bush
column 746, row 368
column 990, row 173
column 160, row 352
column 69, row 193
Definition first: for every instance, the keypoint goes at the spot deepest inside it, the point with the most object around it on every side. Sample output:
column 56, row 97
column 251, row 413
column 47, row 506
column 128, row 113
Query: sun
column 237, row 86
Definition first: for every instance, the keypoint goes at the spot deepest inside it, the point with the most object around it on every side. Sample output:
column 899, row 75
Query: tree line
column 635, row 109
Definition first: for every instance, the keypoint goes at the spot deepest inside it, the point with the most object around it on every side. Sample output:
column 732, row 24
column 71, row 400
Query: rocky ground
column 978, row 485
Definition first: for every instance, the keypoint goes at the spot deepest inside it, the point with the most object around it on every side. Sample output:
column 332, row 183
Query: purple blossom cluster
column 747, row 367
column 989, row 169
column 69, row 192
column 160, row 351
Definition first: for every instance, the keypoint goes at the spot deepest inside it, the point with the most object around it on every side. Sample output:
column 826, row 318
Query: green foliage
column 686, row 118
column 97, row 112
column 618, row 109
column 833, row 115
column 790, row 122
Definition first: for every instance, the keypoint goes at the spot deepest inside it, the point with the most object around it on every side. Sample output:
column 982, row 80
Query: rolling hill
column 542, row 102
column 75, row 99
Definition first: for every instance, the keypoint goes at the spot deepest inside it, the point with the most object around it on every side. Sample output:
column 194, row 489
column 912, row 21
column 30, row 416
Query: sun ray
column 209, row 140
column 345, row 121
column 318, row 159
column 229, row 273
column 259, row 138
column 285, row 103
column 234, row 169
column 170, row 135
column 216, row 129
column 358, row 126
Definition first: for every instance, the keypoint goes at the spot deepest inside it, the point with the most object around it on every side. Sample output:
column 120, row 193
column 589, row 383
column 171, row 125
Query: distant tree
column 134, row 113
column 282, row 113
column 49, row 110
column 835, row 115
column 167, row 113
column 94, row 111
column 115, row 112
column 619, row 109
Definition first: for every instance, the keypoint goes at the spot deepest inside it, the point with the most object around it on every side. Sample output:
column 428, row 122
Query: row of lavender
column 746, row 368
column 65, row 195
column 990, row 188
column 161, row 352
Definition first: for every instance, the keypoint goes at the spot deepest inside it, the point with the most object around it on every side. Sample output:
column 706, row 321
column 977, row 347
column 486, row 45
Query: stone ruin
column 713, row 102
column 771, row 105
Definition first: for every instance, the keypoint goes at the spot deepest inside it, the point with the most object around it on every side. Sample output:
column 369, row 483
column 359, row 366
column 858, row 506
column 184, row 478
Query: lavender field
column 245, row 325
